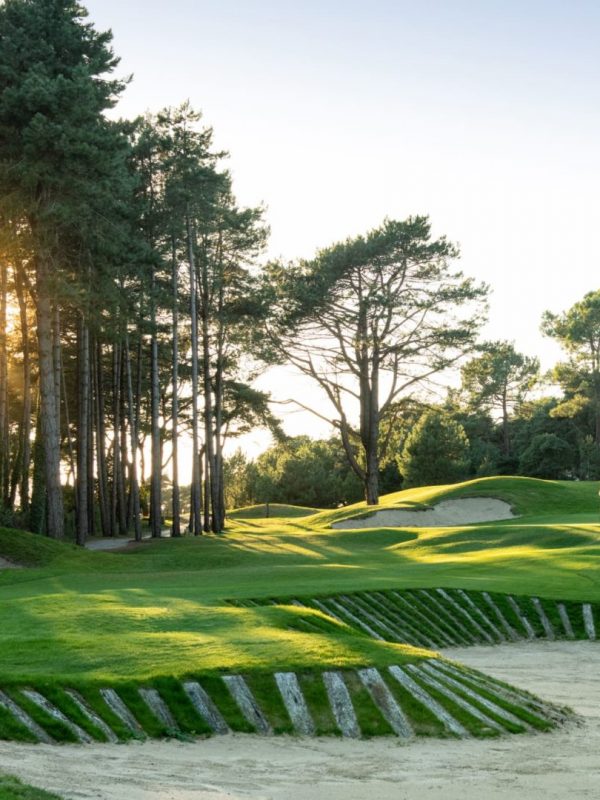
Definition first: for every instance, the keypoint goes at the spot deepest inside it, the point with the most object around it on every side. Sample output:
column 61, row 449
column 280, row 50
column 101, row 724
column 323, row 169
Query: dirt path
column 554, row 766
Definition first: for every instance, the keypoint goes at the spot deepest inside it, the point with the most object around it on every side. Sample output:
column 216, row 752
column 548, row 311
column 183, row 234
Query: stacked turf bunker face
column 428, row 696
column 419, row 694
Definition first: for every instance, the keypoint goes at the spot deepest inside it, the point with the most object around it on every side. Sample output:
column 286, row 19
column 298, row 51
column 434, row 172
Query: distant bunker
column 447, row 514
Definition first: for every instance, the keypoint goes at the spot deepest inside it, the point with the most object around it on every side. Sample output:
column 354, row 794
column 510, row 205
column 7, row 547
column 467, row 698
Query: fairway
column 278, row 595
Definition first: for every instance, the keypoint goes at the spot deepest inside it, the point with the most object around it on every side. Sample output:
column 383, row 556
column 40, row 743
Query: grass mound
column 29, row 550
column 530, row 497
column 266, row 511
column 160, row 611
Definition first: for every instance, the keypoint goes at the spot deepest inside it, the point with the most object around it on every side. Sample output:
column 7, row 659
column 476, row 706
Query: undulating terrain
column 286, row 624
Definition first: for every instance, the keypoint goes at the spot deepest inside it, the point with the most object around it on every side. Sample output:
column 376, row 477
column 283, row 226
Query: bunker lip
column 447, row 513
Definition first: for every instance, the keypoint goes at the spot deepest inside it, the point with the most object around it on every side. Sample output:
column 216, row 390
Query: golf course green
column 260, row 600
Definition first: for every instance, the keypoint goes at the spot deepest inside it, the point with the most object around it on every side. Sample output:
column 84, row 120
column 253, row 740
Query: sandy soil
column 4, row 564
column 462, row 511
column 553, row 766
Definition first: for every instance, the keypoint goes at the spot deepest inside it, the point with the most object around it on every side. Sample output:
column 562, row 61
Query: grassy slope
column 159, row 609
column 277, row 510
column 13, row 789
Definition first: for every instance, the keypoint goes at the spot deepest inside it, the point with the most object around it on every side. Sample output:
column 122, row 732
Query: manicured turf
column 160, row 609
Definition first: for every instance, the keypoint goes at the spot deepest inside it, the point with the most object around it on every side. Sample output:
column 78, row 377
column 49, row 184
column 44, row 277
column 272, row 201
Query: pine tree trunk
column 134, row 484
column 90, row 449
column 124, row 464
column 219, row 506
column 155, row 477
column 83, row 370
column 37, row 509
column 50, row 401
column 25, row 432
column 4, row 439
column 212, row 490
column 369, row 406
column 116, row 450
column 101, row 444
column 176, row 529
column 196, row 489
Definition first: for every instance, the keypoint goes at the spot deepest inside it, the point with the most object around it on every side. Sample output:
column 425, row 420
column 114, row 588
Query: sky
column 483, row 115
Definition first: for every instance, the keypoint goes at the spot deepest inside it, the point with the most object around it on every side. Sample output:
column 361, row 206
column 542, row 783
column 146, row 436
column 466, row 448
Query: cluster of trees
column 126, row 290
column 505, row 418
column 135, row 316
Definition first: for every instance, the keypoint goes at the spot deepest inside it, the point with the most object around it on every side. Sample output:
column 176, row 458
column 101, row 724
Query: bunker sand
column 539, row 767
column 447, row 513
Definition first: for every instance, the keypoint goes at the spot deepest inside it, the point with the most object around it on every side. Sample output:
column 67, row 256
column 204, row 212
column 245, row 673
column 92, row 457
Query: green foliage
column 578, row 332
column 548, row 456
column 304, row 471
column 500, row 377
column 238, row 475
column 436, row 451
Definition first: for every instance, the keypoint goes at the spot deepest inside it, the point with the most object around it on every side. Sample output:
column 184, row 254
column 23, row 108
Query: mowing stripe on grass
column 546, row 624
column 88, row 712
column 341, row 704
column 430, row 680
column 53, row 711
column 158, row 707
column 452, row 725
column 385, row 701
column 294, row 701
column 23, row 717
column 501, row 618
column 497, row 710
column 240, row 691
column 588, row 621
column 204, row 705
column 564, row 618
column 443, row 593
column 475, row 608
column 118, row 707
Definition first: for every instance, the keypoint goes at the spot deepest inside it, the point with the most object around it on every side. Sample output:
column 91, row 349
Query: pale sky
column 484, row 115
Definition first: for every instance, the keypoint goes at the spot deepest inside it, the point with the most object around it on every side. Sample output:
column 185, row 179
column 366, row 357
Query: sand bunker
column 448, row 513
column 552, row 766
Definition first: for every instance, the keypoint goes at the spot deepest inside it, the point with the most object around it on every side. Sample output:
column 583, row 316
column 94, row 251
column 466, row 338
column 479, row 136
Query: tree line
column 504, row 418
column 126, row 290
column 136, row 312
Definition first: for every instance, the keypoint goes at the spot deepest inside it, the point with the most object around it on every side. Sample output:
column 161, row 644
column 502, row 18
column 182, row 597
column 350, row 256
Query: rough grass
column 160, row 609
column 12, row 789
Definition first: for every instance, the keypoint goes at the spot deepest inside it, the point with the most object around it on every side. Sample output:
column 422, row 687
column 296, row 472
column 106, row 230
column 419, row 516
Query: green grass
column 160, row 610
column 276, row 510
column 12, row 789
